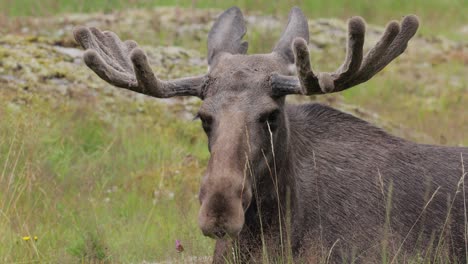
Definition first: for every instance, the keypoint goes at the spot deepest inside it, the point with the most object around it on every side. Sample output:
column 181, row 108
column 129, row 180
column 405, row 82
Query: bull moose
column 305, row 183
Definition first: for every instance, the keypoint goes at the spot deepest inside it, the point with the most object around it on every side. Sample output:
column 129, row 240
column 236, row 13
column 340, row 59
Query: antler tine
column 352, row 63
column 392, row 43
column 409, row 26
column 125, row 65
column 371, row 60
column 326, row 82
column 307, row 78
column 96, row 63
column 355, row 69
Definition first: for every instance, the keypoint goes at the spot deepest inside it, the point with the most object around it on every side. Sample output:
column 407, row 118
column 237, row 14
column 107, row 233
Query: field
column 98, row 174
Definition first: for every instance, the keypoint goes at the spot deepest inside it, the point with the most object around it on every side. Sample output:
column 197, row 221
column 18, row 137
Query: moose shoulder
column 306, row 181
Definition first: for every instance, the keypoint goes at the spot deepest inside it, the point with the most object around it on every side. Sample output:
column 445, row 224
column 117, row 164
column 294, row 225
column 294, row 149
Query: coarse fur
column 340, row 171
column 306, row 181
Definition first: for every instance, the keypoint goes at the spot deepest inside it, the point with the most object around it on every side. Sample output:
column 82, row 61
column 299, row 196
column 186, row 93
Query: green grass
column 121, row 190
column 441, row 16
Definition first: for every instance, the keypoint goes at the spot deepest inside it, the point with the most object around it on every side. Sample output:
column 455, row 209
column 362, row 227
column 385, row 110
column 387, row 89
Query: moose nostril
column 220, row 233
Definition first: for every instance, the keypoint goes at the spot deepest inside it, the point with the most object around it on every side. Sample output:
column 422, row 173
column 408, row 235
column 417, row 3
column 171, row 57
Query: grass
column 440, row 16
column 94, row 190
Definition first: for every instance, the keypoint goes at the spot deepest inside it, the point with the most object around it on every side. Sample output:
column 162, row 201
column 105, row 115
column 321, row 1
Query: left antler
column 355, row 69
column 125, row 65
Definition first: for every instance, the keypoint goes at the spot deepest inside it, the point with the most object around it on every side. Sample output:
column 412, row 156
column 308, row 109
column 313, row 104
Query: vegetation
column 443, row 16
column 101, row 175
column 122, row 190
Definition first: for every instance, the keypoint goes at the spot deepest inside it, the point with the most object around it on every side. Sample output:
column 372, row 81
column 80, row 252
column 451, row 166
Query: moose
column 305, row 182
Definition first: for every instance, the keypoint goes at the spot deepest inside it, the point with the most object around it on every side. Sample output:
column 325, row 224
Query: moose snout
column 219, row 227
column 221, row 215
column 218, row 232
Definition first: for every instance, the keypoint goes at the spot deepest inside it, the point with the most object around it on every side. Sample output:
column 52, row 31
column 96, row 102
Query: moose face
column 241, row 118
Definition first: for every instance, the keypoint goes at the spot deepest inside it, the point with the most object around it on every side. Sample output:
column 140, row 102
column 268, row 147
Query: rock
column 464, row 30
column 72, row 52
column 45, row 60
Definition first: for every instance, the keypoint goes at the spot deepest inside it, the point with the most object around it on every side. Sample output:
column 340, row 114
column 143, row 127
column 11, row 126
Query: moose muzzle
column 223, row 202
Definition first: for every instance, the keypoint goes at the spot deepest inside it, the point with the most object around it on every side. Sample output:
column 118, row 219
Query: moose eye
column 271, row 119
column 206, row 123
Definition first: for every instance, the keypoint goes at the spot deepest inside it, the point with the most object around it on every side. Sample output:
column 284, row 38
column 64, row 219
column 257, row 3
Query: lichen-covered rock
column 39, row 57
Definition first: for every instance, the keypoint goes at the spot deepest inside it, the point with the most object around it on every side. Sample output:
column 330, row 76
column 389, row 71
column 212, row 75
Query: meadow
column 104, row 176
column 441, row 16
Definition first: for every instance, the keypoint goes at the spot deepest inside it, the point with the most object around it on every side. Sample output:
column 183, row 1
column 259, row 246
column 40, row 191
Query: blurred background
column 92, row 173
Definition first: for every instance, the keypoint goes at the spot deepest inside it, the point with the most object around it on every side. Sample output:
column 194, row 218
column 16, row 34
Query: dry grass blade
column 414, row 224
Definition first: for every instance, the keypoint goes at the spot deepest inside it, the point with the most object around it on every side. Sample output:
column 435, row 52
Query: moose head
column 243, row 111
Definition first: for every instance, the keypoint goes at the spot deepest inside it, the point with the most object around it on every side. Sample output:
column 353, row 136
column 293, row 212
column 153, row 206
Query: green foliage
column 96, row 190
column 439, row 15
column 89, row 248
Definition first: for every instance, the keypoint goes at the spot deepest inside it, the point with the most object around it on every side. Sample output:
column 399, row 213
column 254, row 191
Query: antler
column 125, row 65
column 354, row 69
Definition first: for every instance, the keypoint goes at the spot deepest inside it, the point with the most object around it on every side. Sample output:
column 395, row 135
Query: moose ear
column 226, row 35
column 297, row 27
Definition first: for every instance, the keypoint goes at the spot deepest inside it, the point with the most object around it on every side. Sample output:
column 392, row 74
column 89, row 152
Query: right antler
column 125, row 65
column 355, row 69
